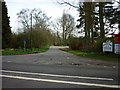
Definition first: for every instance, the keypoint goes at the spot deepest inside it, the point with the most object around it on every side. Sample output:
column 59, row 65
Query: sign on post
column 107, row 46
column 117, row 43
column 24, row 41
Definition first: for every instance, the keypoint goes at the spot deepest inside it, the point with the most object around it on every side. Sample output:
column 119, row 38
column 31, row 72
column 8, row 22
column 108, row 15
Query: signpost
column 117, row 43
column 24, row 41
column 107, row 46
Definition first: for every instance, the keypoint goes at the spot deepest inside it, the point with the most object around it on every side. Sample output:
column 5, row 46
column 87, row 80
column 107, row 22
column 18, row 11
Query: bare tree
column 67, row 25
column 24, row 17
column 40, row 19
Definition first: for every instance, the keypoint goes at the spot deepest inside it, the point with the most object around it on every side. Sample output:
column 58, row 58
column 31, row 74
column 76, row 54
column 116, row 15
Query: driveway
column 58, row 57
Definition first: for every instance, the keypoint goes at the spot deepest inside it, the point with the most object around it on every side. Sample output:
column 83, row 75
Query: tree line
column 34, row 29
column 96, row 22
column 35, row 33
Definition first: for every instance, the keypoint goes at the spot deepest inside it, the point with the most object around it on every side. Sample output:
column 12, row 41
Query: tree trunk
column 102, row 32
column 87, row 18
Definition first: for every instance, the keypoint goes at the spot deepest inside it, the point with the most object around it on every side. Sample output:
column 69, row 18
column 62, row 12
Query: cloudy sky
column 50, row 7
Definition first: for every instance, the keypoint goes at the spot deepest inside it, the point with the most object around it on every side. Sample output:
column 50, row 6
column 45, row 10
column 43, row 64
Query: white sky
column 50, row 7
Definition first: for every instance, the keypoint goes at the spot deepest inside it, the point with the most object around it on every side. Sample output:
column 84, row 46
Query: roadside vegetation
column 22, row 51
column 96, row 24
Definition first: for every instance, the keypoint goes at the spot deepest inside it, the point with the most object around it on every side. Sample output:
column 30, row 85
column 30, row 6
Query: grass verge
column 102, row 56
column 21, row 51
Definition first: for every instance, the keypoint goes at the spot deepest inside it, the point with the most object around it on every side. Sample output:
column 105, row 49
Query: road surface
column 57, row 69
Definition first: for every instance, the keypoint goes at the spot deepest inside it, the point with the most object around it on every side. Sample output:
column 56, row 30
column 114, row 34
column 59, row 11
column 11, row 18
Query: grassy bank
column 102, row 56
column 22, row 51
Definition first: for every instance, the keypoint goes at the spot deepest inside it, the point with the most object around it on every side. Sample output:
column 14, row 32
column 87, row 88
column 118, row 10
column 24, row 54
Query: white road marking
column 9, row 61
column 59, row 81
column 54, row 75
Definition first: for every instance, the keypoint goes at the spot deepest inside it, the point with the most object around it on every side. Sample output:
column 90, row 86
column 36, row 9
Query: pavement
column 57, row 69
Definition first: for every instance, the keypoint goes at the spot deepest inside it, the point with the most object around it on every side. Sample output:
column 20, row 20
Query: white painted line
column 59, row 81
column 54, row 75
column 9, row 61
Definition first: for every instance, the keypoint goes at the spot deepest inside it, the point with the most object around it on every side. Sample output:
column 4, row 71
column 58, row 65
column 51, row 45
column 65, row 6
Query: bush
column 78, row 44
column 73, row 43
column 84, row 44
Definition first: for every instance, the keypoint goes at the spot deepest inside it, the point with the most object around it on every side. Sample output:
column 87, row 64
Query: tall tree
column 102, row 31
column 0, row 26
column 67, row 25
column 6, row 29
column 98, row 17
column 86, row 18
column 112, row 14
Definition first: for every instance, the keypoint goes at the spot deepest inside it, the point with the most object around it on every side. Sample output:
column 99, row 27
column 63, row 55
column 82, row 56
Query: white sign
column 107, row 46
column 117, row 48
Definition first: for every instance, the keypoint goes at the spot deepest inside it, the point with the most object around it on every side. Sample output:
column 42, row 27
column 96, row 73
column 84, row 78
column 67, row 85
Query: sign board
column 117, row 48
column 117, row 38
column 117, row 43
column 24, row 39
column 107, row 46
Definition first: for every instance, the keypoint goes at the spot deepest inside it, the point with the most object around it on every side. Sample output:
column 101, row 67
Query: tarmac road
column 57, row 69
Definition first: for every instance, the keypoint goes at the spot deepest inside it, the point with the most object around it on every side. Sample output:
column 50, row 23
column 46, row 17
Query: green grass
column 21, row 51
column 102, row 56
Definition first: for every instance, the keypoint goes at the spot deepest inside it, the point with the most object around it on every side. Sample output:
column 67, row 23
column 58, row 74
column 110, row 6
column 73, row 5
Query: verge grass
column 101, row 56
column 22, row 51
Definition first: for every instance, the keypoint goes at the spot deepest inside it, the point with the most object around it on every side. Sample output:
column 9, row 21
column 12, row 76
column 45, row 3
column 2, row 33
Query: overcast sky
column 50, row 7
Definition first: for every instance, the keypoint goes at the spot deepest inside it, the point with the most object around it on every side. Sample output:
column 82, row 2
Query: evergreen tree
column 86, row 18
column 0, row 25
column 112, row 14
column 6, row 29
column 101, row 14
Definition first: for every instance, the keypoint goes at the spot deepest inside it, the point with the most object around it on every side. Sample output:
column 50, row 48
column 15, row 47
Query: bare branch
column 67, row 3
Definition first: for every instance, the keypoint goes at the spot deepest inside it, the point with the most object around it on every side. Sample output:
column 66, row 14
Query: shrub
column 78, row 44
column 84, row 44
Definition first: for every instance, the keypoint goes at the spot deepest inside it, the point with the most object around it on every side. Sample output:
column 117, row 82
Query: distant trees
column 67, row 24
column 6, row 29
column 35, row 27
column 102, row 17
column 34, row 30
column 96, row 20
column 93, row 16
column 39, row 19
column 64, row 26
